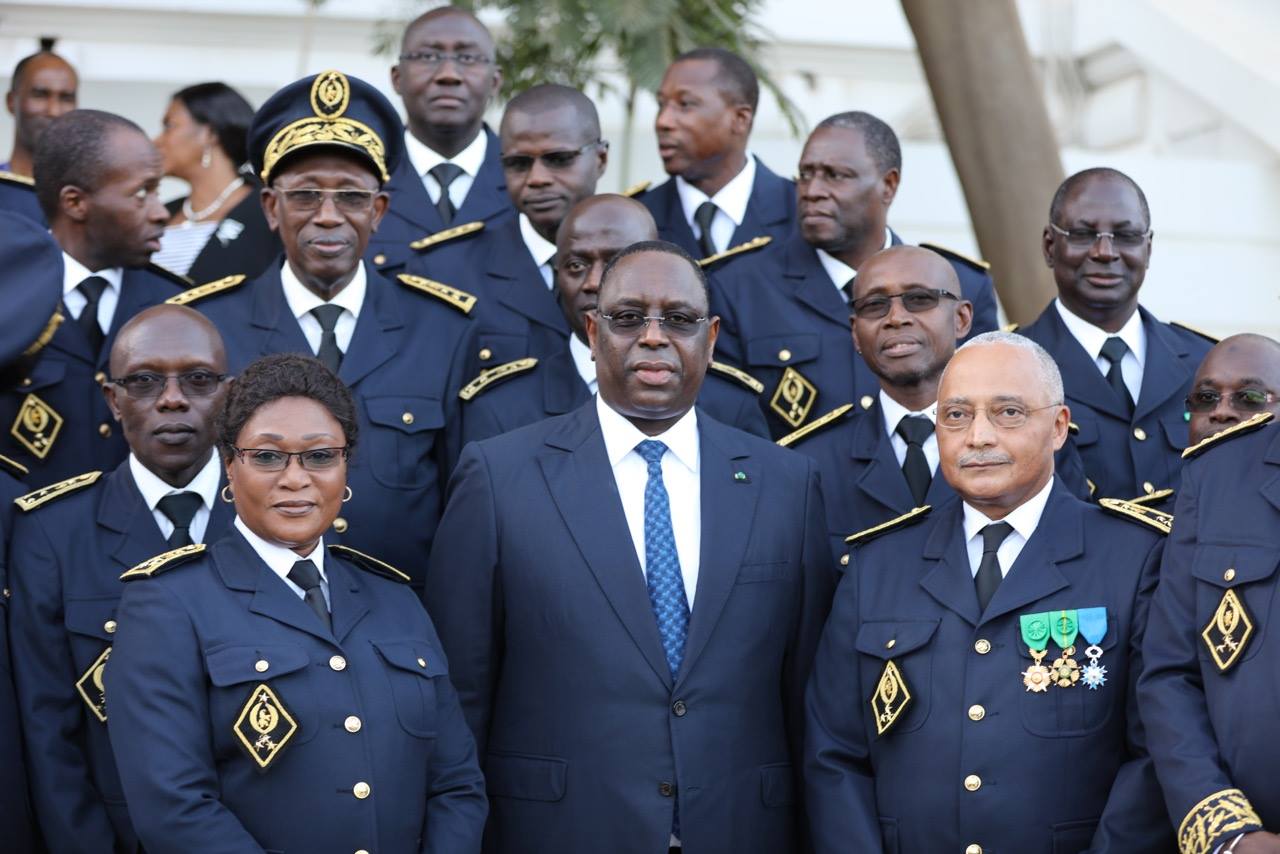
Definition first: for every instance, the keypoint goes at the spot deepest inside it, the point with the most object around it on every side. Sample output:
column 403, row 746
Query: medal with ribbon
column 1093, row 627
column 1035, row 634
column 1064, row 626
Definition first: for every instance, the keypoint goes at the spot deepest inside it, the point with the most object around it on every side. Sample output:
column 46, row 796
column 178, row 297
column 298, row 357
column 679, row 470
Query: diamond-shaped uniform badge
column 1228, row 631
column 794, row 397
column 264, row 726
column 89, row 686
column 36, row 426
column 890, row 699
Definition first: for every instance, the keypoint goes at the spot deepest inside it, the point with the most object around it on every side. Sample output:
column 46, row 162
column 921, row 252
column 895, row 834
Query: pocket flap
column 887, row 640
column 530, row 778
column 231, row 665
column 89, row 617
column 1086, row 432
column 771, row 350
column 44, row 373
column 1230, row 566
column 777, row 785
column 413, row 656
column 1177, row 430
column 404, row 413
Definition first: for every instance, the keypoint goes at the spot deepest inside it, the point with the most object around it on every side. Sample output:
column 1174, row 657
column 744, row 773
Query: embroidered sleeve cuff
column 1215, row 819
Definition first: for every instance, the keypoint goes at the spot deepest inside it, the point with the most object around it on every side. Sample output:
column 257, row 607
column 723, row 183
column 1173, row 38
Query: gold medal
column 1037, row 676
column 1065, row 670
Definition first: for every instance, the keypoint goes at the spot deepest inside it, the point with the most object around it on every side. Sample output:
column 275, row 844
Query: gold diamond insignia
column 91, row 689
column 891, row 699
column 1228, row 631
column 794, row 397
column 36, row 426
column 264, row 726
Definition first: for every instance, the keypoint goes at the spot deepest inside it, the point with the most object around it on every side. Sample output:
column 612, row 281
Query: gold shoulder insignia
column 1073, row 428
column 1009, row 327
column 1221, row 815
column 447, row 235
column 15, row 178
column 1205, row 335
column 1246, row 426
column 750, row 246
column 461, row 300
column 489, row 376
column 908, row 518
column 636, row 189
column 1162, row 522
column 32, row 500
column 813, row 426
column 163, row 562
column 740, row 375
column 164, row 272
column 17, row 468
column 1152, row 497
column 1093, row 487
column 45, row 336
column 369, row 564
column 209, row 289
column 959, row 256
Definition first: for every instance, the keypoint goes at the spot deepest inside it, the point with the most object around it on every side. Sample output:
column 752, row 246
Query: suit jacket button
column 844, row 560
column 340, row 525
column 973, row 782
column 784, row 355
column 352, row 724
column 679, row 709
column 1139, row 434
column 407, row 418
column 99, row 378
column 262, row 665
column 485, row 354
column 977, row 713
column 104, row 429
column 666, row 789
column 975, row 848
column 982, row 646
column 110, row 625
column 360, row 790
column 379, row 259
column 337, row 663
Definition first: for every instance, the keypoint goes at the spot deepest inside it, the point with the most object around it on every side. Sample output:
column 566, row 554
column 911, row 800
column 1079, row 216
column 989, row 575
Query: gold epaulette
column 163, row 562
column 15, row 178
column 1073, row 428
column 750, row 246
column 1205, row 335
column 369, row 564
column 190, row 295
column 1152, row 497
column 18, row 469
column 951, row 253
column 461, row 300
column 1246, row 426
column 164, row 272
column 32, row 500
column 910, row 517
column 448, row 234
column 813, row 426
column 45, row 336
column 740, row 375
column 636, row 189
column 1009, row 327
column 489, row 376
column 1218, row 817
column 1162, row 522
column 1093, row 487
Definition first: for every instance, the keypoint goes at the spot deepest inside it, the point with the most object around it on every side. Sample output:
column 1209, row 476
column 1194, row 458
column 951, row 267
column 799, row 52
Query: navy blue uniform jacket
column 15, row 818
column 18, row 195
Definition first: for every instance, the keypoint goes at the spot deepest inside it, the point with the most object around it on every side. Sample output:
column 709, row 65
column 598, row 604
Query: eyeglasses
column 436, row 58
column 1084, row 238
column 311, row 198
column 629, row 322
column 553, row 160
column 1007, row 416
column 269, row 459
column 1244, row 400
column 915, row 301
column 144, row 385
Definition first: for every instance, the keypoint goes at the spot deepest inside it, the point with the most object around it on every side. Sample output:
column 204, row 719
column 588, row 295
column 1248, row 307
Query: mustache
column 983, row 458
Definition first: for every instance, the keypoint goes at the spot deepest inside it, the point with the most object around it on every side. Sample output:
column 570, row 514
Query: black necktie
column 305, row 575
column 180, row 508
column 1113, row 351
column 329, row 354
column 702, row 217
column 92, row 289
column 989, row 577
column 445, row 174
column 915, row 430
column 847, row 290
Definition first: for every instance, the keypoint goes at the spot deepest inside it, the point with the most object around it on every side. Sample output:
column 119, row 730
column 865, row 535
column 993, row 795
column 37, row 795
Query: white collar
column 281, row 558
column 205, row 483
column 424, row 158
column 1092, row 337
column 621, row 436
column 581, row 353
column 841, row 273
column 1024, row 518
column 301, row 300
column 73, row 273
column 732, row 199
column 895, row 412
column 539, row 247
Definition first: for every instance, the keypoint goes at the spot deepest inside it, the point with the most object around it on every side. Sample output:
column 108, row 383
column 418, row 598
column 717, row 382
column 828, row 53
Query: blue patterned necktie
column 662, row 563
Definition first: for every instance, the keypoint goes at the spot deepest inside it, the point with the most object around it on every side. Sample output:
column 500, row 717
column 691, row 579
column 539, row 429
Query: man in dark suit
column 932, row 724
column 1238, row 379
column 785, row 311
column 42, row 87
column 665, row 572
column 1208, row 691
column 71, row 544
column 1127, row 374
column 98, row 181
column 552, row 156
column 451, row 174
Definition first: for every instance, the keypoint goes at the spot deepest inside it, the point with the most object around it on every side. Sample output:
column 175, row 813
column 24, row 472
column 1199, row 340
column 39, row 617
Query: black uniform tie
column 916, row 430
column 989, row 577
column 305, row 575
column 1113, row 351
column 92, row 288
column 328, row 354
column 445, row 174
column 180, row 508
column 703, row 216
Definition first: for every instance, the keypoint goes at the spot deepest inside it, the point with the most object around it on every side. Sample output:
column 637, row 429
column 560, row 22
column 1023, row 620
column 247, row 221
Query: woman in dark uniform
column 273, row 693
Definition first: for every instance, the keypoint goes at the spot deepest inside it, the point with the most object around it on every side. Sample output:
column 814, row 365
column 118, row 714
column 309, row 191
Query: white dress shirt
column 301, row 301
column 281, row 559
column 204, row 484
column 581, row 353
column 1023, row 519
column 469, row 160
column 841, row 273
column 540, row 249
column 1092, row 338
column 894, row 412
column 73, row 273
column 731, row 204
column 679, row 475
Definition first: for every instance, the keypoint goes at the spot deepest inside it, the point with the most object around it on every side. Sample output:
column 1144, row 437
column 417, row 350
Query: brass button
column 340, row 525
column 975, row 848
column 379, row 259
column 110, row 625
column 891, row 644
column 362, row 851
column 422, row 662
column 26, row 381
column 977, row 713
column 407, row 418
column 360, row 790
column 1229, row 575
column 973, row 782
column 784, row 355
column 337, row 663
column 1139, row 434
column 261, row 665
column 104, row 429
column 99, row 378
column 844, row 560
column 866, row 401
column 352, row 724
column 1148, row 487
column 982, row 646
column 485, row 354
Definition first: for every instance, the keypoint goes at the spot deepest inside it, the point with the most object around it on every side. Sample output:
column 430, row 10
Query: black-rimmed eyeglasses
column 915, row 301
column 145, row 384
column 269, row 459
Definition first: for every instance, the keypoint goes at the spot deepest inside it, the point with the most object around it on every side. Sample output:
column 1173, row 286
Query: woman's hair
column 283, row 375
column 225, row 110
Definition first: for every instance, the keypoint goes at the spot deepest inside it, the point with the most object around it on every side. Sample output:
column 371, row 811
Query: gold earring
column 226, row 495
column 347, row 497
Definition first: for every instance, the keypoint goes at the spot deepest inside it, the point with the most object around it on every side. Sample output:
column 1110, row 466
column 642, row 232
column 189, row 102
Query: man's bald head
column 1240, row 371
column 925, row 266
column 547, row 98
column 172, row 323
column 623, row 220
column 453, row 15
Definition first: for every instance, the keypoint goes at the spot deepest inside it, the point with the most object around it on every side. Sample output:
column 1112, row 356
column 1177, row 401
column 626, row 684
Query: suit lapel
column 950, row 581
column 1271, row 489
column 487, row 197
column 562, row 387
column 410, row 202
column 811, row 284
column 123, row 511
column 279, row 329
column 242, row 569
column 881, row 479
column 669, row 217
column 348, row 599
column 771, row 199
column 1165, row 372
column 1035, row 574
column 374, row 340
column 1079, row 371
column 518, row 283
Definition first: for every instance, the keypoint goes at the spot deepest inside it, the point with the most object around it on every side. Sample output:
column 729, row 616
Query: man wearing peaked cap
column 324, row 148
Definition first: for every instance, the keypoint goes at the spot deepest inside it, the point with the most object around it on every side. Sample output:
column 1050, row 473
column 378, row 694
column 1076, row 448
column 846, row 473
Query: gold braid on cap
column 330, row 95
